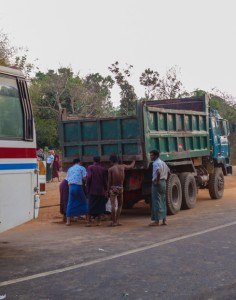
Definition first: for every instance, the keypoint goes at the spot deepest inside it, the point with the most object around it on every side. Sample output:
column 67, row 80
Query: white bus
column 18, row 162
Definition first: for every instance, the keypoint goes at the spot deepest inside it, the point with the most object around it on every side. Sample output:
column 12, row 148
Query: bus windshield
column 11, row 114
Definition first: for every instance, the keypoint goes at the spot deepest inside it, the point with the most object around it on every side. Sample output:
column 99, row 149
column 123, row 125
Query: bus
column 19, row 199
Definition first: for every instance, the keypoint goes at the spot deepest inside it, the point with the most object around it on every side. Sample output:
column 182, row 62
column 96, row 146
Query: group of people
column 95, row 184
column 52, row 163
column 86, row 192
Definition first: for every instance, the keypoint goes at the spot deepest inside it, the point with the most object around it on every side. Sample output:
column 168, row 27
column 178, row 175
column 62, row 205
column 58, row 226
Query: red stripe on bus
column 17, row 152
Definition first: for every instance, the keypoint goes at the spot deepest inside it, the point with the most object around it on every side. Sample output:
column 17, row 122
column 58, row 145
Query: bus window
column 11, row 113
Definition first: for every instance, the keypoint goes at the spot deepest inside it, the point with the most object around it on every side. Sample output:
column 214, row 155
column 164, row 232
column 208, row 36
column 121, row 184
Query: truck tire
column 173, row 194
column 216, row 184
column 189, row 190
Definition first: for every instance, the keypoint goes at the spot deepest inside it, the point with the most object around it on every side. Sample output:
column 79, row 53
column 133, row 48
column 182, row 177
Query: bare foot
column 164, row 222
column 68, row 224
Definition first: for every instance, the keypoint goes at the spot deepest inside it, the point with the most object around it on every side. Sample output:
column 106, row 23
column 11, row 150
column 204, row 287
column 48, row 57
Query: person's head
column 114, row 159
column 76, row 161
column 154, row 154
column 40, row 150
column 96, row 159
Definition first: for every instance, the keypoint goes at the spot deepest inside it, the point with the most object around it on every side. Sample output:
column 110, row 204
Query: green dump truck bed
column 179, row 128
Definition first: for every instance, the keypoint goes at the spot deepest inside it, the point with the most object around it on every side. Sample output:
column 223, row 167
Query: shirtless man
column 116, row 176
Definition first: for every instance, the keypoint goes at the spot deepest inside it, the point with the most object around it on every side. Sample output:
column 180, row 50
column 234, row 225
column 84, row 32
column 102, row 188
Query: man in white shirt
column 49, row 162
column 77, row 202
column 159, row 176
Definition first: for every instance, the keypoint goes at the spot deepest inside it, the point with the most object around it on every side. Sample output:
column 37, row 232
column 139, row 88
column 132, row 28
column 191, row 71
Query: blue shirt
column 76, row 174
column 161, row 167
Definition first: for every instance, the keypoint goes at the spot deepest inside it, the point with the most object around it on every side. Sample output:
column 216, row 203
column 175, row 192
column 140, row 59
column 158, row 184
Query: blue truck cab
column 219, row 142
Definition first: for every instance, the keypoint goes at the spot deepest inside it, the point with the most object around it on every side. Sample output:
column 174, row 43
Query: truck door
column 215, row 137
column 224, row 132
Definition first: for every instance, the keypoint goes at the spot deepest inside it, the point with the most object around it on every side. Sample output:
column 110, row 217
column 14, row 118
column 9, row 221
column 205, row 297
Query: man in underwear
column 116, row 176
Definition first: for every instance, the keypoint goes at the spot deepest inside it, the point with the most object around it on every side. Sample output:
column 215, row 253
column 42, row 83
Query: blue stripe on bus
column 18, row 166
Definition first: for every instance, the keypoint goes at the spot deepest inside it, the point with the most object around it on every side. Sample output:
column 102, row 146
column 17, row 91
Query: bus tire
column 216, row 184
column 189, row 190
column 173, row 194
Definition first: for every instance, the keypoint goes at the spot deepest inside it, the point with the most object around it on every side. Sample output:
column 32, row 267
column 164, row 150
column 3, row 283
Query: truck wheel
column 216, row 184
column 189, row 190
column 173, row 194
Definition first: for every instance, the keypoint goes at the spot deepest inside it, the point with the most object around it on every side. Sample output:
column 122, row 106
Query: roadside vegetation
column 90, row 95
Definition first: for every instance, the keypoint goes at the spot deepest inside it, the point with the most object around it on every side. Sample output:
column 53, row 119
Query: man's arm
column 128, row 167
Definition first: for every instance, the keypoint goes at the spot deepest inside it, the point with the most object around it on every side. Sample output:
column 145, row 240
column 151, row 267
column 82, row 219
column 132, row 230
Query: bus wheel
column 189, row 190
column 216, row 184
column 173, row 194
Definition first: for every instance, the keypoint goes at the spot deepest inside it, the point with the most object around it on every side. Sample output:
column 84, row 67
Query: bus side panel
column 17, row 205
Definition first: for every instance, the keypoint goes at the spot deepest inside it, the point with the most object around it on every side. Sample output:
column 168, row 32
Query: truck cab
column 219, row 143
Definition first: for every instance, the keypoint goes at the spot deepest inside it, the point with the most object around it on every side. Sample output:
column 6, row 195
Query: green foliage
column 168, row 86
column 46, row 132
column 151, row 81
column 57, row 89
column 14, row 56
column 127, row 93
column 225, row 104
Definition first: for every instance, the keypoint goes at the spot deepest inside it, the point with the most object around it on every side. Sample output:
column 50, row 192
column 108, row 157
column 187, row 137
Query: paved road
column 194, row 257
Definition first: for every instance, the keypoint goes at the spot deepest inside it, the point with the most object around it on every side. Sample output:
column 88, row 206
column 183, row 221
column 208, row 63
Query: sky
column 197, row 36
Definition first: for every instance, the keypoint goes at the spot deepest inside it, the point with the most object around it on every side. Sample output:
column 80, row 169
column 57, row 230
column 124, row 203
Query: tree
column 14, row 56
column 6, row 50
column 54, row 90
column 150, row 80
column 167, row 87
column 127, row 93
column 93, row 97
column 225, row 104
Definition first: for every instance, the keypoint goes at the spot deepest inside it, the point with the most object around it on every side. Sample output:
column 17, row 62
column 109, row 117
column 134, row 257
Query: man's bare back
column 116, row 175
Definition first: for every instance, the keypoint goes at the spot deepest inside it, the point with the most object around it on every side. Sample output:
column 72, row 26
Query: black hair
column 155, row 152
column 76, row 161
column 114, row 158
column 96, row 159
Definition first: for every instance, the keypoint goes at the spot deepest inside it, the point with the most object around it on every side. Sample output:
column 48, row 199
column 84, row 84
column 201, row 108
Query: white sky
column 198, row 36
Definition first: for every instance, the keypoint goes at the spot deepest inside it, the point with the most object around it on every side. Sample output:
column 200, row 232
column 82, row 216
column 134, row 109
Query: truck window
column 223, row 128
column 11, row 113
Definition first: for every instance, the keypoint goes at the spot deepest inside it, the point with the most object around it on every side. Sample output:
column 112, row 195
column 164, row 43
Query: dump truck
column 191, row 137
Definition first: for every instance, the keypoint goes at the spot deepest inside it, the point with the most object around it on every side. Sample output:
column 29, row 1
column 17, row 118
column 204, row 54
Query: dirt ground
column 49, row 212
